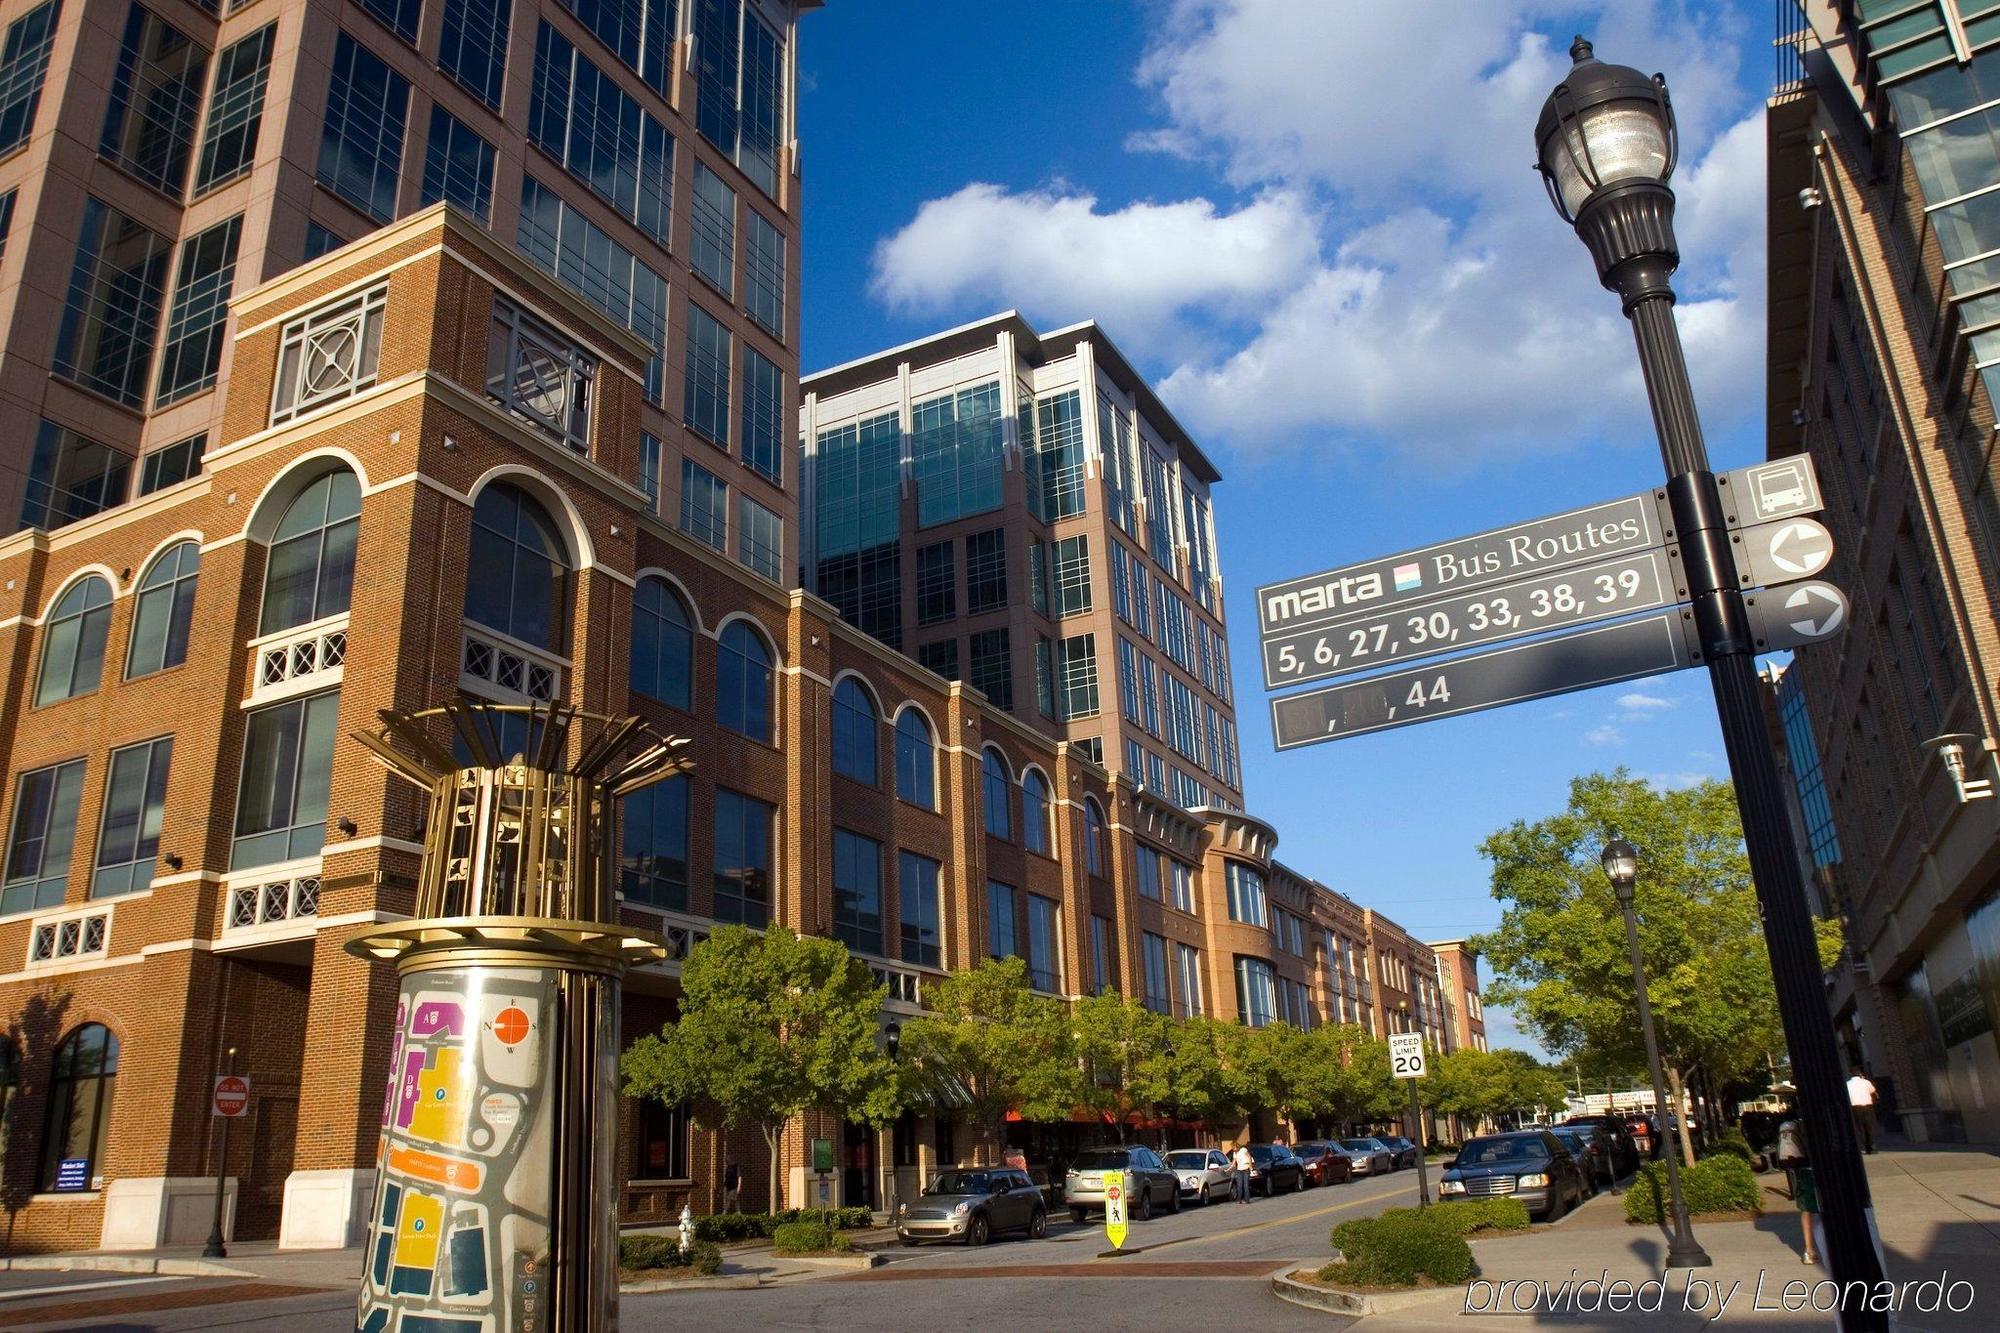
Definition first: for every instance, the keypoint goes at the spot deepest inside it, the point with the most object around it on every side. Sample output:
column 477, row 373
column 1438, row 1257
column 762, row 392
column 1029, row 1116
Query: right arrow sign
column 1783, row 552
column 1801, row 614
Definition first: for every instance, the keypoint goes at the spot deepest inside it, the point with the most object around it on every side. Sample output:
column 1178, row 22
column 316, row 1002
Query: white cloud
column 1604, row 735
column 1136, row 267
column 1676, row 781
column 1638, row 702
column 1397, row 280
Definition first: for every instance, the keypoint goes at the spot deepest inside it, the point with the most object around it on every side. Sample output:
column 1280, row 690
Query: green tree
column 1122, row 1047
column 999, row 1046
column 770, row 1025
column 1559, row 955
column 1194, row 1081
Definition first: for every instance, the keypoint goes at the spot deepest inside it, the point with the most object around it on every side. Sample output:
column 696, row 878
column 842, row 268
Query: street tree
column 1194, row 1082
column 771, row 1025
column 999, row 1046
column 1559, row 955
column 1123, row 1049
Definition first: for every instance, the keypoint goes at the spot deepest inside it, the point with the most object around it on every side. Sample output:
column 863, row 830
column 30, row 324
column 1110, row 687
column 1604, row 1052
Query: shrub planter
column 1302, row 1288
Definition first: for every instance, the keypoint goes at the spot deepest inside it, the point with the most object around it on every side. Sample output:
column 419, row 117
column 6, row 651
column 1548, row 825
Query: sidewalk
column 1937, row 1209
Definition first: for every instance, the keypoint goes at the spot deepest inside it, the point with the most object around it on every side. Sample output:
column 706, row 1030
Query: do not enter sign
column 232, row 1095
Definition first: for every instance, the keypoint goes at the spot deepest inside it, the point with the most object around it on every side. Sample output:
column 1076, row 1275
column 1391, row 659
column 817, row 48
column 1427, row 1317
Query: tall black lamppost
column 1621, row 867
column 1605, row 146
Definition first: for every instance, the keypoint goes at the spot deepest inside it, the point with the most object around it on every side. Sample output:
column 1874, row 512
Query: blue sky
column 1313, row 224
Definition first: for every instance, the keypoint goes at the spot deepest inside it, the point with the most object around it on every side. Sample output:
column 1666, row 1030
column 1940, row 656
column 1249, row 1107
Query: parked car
column 1586, row 1145
column 1530, row 1165
column 972, row 1203
column 1371, row 1156
column 1204, row 1173
column 1619, row 1145
column 1644, row 1137
column 1151, row 1183
column 1274, row 1169
column 1402, row 1152
column 1325, row 1163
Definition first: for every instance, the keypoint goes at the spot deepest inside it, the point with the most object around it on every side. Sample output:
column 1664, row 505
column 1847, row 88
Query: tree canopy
column 770, row 1025
column 1559, row 955
column 991, row 1045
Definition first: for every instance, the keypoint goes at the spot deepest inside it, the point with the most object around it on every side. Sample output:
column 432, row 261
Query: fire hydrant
column 687, row 1228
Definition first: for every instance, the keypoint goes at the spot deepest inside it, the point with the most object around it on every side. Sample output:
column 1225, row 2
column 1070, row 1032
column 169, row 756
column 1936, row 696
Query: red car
column 1324, row 1164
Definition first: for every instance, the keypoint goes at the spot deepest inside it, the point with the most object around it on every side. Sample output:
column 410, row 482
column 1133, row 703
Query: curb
column 117, row 1263
column 733, row 1282
column 863, row 1260
column 1331, row 1300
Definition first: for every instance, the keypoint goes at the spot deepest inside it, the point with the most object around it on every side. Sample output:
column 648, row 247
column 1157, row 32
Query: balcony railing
column 307, row 657
column 489, row 665
column 69, row 937
column 268, row 902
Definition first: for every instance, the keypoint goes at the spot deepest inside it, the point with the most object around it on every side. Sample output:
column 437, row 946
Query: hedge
column 1466, row 1216
column 808, row 1237
column 1732, row 1142
column 1401, row 1248
column 640, row 1253
column 760, row 1226
column 1723, row 1183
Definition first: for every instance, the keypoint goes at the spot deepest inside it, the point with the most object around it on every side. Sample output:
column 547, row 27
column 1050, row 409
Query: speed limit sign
column 1406, row 1054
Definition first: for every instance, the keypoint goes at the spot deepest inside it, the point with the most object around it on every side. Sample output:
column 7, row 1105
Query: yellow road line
column 1273, row 1222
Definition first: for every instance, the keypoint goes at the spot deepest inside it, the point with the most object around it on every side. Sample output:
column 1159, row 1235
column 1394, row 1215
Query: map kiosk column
column 494, row 1209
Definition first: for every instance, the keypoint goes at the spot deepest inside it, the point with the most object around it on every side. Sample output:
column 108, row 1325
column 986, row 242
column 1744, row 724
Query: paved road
column 1206, row 1267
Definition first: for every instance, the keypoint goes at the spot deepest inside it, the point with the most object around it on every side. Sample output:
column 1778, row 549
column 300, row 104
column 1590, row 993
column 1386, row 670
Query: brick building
column 1458, row 989
column 1883, row 367
column 470, row 425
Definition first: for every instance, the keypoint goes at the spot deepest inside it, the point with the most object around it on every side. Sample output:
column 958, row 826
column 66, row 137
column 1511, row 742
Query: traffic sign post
column 1577, row 596
column 1628, row 650
column 227, row 1100
column 231, row 1096
column 1503, row 555
column 1774, row 553
column 1406, row 1061
column 1115, row 1192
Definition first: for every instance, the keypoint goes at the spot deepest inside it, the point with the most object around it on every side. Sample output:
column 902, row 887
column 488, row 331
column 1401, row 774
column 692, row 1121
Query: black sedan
column 1402, row 1152
column 1530, row 1165
column 1276, row 1169
column 1616, row 1136
column 1586, row 1144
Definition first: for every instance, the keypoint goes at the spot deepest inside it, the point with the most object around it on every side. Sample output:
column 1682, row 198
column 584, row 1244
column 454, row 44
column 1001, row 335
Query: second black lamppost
column 1621, row 867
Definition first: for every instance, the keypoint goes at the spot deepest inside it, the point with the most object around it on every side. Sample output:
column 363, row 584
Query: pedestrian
column 1239, row 1181
column 1793, row 1158
column 1861, row 1097
column 732, row 1186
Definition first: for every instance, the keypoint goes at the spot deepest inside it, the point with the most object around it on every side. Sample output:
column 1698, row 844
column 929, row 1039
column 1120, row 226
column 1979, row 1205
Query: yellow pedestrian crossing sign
column 1114, row 1210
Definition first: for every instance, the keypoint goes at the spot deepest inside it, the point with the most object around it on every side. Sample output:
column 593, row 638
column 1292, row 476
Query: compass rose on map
column 510, row 1026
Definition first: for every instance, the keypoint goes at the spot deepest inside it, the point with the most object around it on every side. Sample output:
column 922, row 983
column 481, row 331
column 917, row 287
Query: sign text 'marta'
column 1545, row 544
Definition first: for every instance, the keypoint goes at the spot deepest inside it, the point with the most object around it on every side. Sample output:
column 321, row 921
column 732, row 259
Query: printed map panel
column 460, row 1241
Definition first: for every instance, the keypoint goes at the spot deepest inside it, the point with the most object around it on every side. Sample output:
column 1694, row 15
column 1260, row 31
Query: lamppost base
column 215, row 1249
column 1689, row 1255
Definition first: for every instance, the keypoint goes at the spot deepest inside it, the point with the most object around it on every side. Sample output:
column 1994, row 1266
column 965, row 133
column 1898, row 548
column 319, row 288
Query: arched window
column 79, row 1122
column 916, row 760
column 996, row 787
column 310, row 575
column 662, row 644
column 1093, row 836
column 743, row 682
column 517, row 577
column 164, row 610
column 854, row 732
column 73, row 649
column 1035, row 812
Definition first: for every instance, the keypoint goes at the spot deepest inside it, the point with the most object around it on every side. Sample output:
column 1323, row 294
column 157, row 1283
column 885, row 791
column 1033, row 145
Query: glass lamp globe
column 1603, row 125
